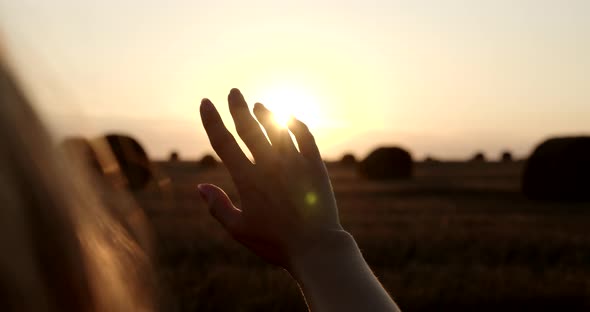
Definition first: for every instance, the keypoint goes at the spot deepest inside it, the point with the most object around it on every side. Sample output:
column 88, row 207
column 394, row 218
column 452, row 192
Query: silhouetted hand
column 287, row 203
column 288, row 213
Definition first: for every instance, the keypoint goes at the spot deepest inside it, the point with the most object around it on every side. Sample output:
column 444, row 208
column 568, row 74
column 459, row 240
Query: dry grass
column 459, row 236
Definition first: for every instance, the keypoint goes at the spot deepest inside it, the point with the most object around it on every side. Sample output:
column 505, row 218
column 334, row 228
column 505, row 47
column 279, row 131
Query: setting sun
column 292, row 101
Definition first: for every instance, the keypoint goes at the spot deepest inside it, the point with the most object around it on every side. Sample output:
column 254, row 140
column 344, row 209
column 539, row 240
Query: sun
column 288, row 101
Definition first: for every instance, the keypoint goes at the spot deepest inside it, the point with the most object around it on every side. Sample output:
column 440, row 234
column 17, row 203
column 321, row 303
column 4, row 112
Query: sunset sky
column 445, row 78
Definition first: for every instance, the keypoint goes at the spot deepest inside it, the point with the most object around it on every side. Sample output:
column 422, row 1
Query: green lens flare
column 311, row 198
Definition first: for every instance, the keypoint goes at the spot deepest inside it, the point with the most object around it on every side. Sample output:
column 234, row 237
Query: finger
column 286, row 145
column 221, row 207
column 222, row 141
column 247, row 127
column 279, row 137
column 305, row 140
column 266, row 118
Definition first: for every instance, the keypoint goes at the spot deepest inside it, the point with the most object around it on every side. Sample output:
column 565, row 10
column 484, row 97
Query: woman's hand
column 287, row 203
column 288, row 213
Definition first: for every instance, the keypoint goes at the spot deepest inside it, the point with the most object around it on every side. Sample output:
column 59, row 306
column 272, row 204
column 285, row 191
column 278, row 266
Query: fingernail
column 258, row 106
column 265, row 109
column 206, row 104
column 235, row 94
column 203, row 192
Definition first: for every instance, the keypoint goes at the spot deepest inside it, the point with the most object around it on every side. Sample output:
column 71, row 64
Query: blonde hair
column 60, row 248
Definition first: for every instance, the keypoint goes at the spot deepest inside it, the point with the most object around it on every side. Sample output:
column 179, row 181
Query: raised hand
column 287, row 203
column 288, row 213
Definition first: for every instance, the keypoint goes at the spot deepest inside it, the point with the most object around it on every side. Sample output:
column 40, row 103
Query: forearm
column 335, row 277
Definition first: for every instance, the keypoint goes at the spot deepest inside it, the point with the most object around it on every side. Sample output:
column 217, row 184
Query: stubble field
column 458, row 236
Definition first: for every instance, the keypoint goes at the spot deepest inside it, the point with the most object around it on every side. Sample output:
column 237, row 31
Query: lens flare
column 311, row 198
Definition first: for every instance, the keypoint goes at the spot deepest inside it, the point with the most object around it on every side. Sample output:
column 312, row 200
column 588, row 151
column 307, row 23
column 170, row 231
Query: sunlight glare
column 291, row 101
column 282, row 119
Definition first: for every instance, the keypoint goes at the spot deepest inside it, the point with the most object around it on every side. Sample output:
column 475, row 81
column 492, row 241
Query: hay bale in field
column 80, row 149
column 430, row 159
column 208, row 161
column 348, row 160
column 478, row 157
column 386, row 163
column 559, row 169
column 174, row 156
column 506, row 157
column 130, row 158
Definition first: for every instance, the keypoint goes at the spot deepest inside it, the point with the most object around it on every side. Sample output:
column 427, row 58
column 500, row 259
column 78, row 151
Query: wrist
column 333, row 245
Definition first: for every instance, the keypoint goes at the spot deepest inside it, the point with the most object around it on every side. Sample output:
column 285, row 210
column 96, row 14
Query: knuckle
column 246, row 126
column 243, row 130
column 220, row 146
column 309, row 137
column 222, row 142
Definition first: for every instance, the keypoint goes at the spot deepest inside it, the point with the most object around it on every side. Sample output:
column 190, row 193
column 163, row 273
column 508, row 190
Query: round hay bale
column 80, row 149
column 559, row 170
column 208, row 161
column 430, row 159
column 348, row 160
column 174, row 156
column 132, row 160
column 478, row 157
column 387, row 163
column 506, row 157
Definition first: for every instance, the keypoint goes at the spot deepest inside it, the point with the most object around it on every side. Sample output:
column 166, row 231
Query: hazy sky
column 439, row 77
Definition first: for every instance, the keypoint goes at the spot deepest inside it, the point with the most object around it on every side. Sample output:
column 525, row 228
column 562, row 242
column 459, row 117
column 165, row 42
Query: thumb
column 220, row 206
